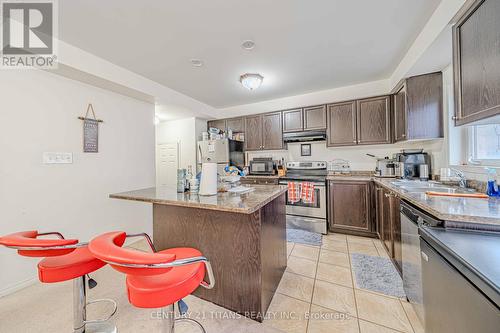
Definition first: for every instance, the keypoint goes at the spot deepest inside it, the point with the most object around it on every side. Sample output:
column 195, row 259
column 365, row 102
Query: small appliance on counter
column 386, row 167
column 264, row 166
column 408, row 163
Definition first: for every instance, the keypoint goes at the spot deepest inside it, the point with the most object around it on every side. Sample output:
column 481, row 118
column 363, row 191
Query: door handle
column 424, row 256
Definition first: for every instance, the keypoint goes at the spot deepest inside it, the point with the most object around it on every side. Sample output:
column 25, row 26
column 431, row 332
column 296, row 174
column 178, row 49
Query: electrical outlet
column 57, row 158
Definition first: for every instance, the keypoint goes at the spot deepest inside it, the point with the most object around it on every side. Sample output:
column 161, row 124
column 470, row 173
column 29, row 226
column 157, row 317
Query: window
column 484, row 144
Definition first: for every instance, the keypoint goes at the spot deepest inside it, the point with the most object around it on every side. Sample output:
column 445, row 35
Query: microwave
column 262, row 166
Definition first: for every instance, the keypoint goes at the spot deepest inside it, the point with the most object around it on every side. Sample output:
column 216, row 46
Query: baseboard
column 18, row 286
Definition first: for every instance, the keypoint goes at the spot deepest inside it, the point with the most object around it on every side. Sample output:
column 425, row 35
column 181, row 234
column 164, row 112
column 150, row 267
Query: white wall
column 39, row 113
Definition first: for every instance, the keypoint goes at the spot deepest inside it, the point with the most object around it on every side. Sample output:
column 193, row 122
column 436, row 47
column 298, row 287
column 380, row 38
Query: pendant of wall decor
column 90, row 131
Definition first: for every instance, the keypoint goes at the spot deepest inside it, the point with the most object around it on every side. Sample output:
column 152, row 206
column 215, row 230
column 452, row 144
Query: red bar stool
column 64, row 259
column 158, row 279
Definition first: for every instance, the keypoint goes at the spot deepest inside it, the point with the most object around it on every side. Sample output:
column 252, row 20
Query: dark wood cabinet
column 315, row 118
column 389, row 223
column 350, row 207
column 235, row 124
column 272, row 131
column 293, row 120
column 218, row 123
column 399, row 108
column 373, row 120
column 418, row 108
column 253, row 132
column 341, row 124
column 476, row 62
column 264, row 131
column 396, row 231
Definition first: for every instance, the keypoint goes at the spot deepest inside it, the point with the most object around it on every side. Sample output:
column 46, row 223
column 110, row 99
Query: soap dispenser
column 492, row 188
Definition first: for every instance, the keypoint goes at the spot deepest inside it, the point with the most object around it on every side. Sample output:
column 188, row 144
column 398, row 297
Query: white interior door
column 168, row 163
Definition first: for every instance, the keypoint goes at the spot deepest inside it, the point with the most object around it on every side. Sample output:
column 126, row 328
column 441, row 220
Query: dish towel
column 294, row 192
column 307, row 192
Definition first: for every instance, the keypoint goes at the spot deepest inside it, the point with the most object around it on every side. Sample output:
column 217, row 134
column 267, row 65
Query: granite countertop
column 236, row 203
column 471, row 210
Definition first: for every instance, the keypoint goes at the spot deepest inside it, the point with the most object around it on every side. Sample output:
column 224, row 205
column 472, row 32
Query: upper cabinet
column 293, row 120
column 219, row 123
column 235, row 124
column 476, row 62
column 373, row 120
column 315, row 118
column 418, row 108
column 306, row 119
column 366, row 121
column 264, row 131
column 341, row 122
column 253, row 132
column 272, row 131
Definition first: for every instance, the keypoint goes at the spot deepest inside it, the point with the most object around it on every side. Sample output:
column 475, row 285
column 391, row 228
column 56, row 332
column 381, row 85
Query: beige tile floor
column 317, row 294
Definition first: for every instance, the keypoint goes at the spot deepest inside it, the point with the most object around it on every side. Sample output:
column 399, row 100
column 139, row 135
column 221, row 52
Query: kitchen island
column 243, row 236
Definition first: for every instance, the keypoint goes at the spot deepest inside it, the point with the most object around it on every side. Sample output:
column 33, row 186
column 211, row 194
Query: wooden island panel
column 247, row 251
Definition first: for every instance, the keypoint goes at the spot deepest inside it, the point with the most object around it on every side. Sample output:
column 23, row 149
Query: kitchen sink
column 422, row 186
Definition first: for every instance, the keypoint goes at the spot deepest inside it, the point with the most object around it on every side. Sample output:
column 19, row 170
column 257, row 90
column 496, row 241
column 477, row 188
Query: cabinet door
column 373, row 120
column 292, row 120
column 396, row 231
column 218, row 123
column 235, row 124
column 424, row 100
column 387, row 223
column 253, row 132
column 349, row 203
column 476, row 62
column 315, row 118
column 341, row 122
column 272, row 131
column 399, row 103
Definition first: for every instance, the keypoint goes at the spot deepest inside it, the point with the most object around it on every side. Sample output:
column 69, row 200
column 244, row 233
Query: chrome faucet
column 463, row 181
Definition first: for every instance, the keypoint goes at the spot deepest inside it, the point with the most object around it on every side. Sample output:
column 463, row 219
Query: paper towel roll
column 208, row 182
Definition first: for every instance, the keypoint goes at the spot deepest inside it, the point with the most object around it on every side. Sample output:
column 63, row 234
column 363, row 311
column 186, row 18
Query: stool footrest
column 115, row 307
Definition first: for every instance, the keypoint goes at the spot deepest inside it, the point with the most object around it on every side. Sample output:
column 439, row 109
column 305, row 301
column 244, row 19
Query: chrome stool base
column 100, row 328
column 168, row 320
column 80, row 322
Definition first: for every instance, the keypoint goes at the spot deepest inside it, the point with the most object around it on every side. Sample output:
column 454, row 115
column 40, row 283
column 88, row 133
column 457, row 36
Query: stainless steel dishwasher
column 411, row 219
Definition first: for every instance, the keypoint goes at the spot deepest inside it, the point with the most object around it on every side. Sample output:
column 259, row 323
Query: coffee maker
column 408, row 163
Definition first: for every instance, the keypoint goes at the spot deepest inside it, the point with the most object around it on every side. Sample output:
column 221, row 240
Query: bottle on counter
column 181, row 180
column 492, row 187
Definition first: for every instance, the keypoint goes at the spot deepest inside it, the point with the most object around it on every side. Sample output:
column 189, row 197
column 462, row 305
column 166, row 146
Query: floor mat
column 377, row 274
column 303, row 237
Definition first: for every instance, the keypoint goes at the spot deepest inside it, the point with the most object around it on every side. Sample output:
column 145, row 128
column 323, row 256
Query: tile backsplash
column 356, row 155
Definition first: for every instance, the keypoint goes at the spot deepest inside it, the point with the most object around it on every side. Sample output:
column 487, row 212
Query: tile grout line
column 407, row 317
column 314, row 287
column 353, row 285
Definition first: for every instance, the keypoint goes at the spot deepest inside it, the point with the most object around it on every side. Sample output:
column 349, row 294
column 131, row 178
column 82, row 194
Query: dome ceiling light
column 251, row 81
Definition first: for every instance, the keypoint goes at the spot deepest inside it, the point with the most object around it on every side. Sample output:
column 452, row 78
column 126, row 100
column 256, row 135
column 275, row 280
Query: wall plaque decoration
column 90, row 131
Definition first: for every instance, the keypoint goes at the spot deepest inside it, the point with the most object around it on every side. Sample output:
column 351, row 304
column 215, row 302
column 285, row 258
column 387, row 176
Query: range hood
column 305, row 136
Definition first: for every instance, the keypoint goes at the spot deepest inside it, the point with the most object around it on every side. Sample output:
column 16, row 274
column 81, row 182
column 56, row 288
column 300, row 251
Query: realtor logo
column 28, row 34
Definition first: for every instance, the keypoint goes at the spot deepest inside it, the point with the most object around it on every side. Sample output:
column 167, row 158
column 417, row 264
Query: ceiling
column 301, row 46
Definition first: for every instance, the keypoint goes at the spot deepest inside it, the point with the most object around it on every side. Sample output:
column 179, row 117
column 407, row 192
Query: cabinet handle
column 387, row 195
column 354, row 141
column 454, row 118
column 403, row 135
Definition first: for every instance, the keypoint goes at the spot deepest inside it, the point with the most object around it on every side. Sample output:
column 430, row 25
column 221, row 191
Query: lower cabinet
column 389, row 223
column 350, row 207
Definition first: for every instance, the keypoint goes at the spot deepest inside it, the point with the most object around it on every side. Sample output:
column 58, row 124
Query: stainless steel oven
column 309, row 216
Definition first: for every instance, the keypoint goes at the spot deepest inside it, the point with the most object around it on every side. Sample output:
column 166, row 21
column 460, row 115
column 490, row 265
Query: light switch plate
column 57, row 158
